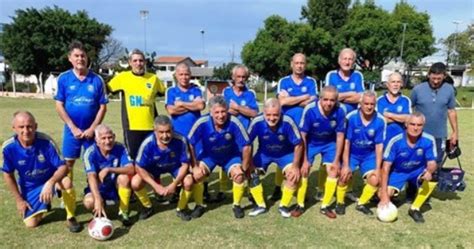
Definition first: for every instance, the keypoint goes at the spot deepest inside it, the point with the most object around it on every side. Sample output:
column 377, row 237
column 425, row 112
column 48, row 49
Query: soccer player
column 108, row 167
column 163, row 152
column 363, row 149
column 279, row 142
column 294, row 92
column 409, row 157
column 225, row 143
column 35, row 158
column 322, row 129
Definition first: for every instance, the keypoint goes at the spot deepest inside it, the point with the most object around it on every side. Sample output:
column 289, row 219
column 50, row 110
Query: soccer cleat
column 238, row 212
column 364, row 209
column 328, row 212
column 340, row 209
column 257, row 211
column 351, row 196
column 198, row 211
column 145, row 213
column 183, row 215
column 285, row 212
column 276, row 194
column 125, row 219
column 416, row 215
column 298, row 211
column 73, row 225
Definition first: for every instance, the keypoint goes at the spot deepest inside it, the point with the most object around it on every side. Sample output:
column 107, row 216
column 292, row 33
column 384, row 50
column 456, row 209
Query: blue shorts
column 327, row 151
column 107, row 192
column 225, row 165
column 173, row 171
column 72, row 146
column 397, row 180
column 37, row 207
column 261, row 161
column 365, row 164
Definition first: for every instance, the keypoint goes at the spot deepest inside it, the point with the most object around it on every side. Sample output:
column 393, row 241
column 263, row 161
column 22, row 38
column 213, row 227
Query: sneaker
column 238, row 212
column 298, row 211
column 276, row 194
column 340, row 209
column 183, row 215
column 125, row 219
column 285, row 212
column 145, row 213
column 364, row 209
column 351, row 196
column 257, row 211
column 416, row 215
column 198, row 211
column 74, row 226
column 328, row 212
column 319, row 196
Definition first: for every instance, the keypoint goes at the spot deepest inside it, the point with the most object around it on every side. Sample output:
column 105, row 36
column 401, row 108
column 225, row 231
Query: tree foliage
column 460, row 46
column 224, row 72
column 329, row 15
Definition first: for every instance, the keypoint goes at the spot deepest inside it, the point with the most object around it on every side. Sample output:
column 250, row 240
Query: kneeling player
column 163, row 152
column 409, row 158
column 108, row 167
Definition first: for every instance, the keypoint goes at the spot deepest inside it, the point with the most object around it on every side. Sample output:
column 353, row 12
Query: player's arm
column 384, row 196
column 305, row 164
column 453, row 121
column 430, row 170
column 146, row 176
column 126, row 170
column 67, row 120
column 298, row 153
column 393, row 117
column 47, row 192
column 93, row 181
column 286, row 99
column 21, row 204
column 196, row 105
column 350, row 97
column 345, row 171
column 378, row 158
column 244, row 110
column 246, row 156
column 176, row 109
column 183, row 171
column 339, row 148
column 89, row 133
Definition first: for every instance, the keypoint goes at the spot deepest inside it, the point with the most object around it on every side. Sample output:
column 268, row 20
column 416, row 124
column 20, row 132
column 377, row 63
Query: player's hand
column 384, row 201
column 89, row 133
column 76, row 132
column 345, row 174
column 22, row 206
column 99, row 210
column 103, row 174
column 160, row 190
column 427, row 176
column 233, row 112
column 295, row 174
column 170, row 189
column 178, row 103
column 453, row 140
column 305, row 169
column 283, row 93
column 47, row 193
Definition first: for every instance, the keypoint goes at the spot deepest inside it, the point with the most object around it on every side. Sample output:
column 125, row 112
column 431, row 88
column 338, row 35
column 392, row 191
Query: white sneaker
column 285, row 212
column 257, row 211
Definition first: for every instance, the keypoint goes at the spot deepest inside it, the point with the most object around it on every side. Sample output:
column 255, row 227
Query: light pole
column 456, row 22
column 203, row 47
column 144, row 16
column 403, row 41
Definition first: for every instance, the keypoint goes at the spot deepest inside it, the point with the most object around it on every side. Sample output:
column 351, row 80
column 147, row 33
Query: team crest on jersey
column 419, row 152
column 191, row 97
column 281, row 137
column 228, row 136
column 243, row 102
column 172, row 154
column 304, row 89
column 22, row 162
column 332, row 123
column 41, row 158
column 352, row 85
column 90, row 88
column 399, row 108
column 316, row 124
column 148, row 85
column 115, row 162
column 371, row 132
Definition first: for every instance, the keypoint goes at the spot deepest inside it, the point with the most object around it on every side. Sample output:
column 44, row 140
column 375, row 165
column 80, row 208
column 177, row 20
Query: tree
column 329, row 15
column 37, row 40
column 224, row 72
column 111, row 52
column 460, row 46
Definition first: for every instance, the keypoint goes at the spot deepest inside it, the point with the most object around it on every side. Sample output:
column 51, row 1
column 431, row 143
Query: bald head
column 24, row 125
column 23, row 115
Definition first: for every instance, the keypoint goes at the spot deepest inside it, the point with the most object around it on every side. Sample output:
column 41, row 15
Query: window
column 162, row 68
column 171, row 68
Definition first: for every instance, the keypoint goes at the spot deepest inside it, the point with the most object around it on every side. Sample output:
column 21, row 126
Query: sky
column 174, row 27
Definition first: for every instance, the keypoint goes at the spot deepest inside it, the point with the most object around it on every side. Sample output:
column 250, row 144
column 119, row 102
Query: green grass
column 448, row 224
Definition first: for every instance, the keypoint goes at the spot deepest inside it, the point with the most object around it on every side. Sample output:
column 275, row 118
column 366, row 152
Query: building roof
column 200, row 62
column 171, row 59
column 202, row 71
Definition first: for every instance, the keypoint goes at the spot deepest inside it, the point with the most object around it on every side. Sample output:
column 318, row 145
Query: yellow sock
column 143, row 197
column 301, row 195
column 183, row 199
column 341, row 194
column 278, row 177
column 223, row 180
column 322, row 176
column 69, row 198
column 238, row 190
column 287, row 195
column 257, row 193
column 329, row 190
column 367, row 193
column 423, row 193
column 124, row 198
column 198, row 191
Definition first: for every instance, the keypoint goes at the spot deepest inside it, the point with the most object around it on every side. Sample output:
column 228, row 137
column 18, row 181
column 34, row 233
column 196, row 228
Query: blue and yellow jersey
column 307, row 86
column 182, row 123
column 82, row 99
column 401, row 106
column 247, row 98
column 219, row 145
column 363, row 138
column 156, row 160
column 138, row 102
column 320, row 129
column 35, row 165
column 355, row 83
column 405, row 158
column 275, row 143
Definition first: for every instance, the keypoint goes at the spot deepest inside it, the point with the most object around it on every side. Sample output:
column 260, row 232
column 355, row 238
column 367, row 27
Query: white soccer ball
column 387, row 213
column 100, row 228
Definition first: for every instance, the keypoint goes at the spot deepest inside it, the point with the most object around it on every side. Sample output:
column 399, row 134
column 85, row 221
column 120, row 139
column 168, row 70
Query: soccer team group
column 349, row 127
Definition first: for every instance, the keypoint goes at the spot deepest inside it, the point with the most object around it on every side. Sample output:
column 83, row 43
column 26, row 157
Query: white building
column 166, row 66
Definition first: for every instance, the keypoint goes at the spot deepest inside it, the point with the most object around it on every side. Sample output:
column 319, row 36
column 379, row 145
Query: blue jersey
column 35, row 165
column 247, row 99
column 363, row 138
column 405, row 158
column 219, row 145
column 94, row 161
column 82, row 99
column 182, row 123
column 401, row 106
column 156, row 160
column 320, row 129
column 307, row 86
column 355, row 83
column 276, row 143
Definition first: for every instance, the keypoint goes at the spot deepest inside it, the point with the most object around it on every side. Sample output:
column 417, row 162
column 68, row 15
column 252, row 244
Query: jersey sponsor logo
column 41, row 158
column 356, row 130
column 22, row 162
column 243, row 103
column 90, row 88
column 419, row 152
column 191, row 97
column 371, row 132
column 316, row 124
column 212, row 138
column 304, row 89
column 352, row 85
column 266, row 137
column 404, row 154
column 36, row 172
column 399, row 108
column 148, row 85
column 332, row 123
column 136, row 100
column 228, row 136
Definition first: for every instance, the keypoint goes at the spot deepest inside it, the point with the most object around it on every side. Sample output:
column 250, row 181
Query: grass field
column 448, row 223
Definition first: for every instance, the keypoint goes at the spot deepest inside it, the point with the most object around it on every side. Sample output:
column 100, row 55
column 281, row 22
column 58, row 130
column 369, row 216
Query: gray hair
column 347, row 50
column 22, row 113
column 329, row 89
column 298, row 55
column 162, row 120
column 416, row 115
column 217, row 100
column 395, row 74
column 183, row 65
column 368, row 93
column 272, row 102
column 102, row 128
column 240, row 66
column 135, row 51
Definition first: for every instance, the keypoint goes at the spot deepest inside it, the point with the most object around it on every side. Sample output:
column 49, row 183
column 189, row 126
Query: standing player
column 279, row 142
column 363, row 149
column 409, row 157
column 322, row 129
column 108, row 167
column 39, row 168
column 225, row 143
column 163, row 152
